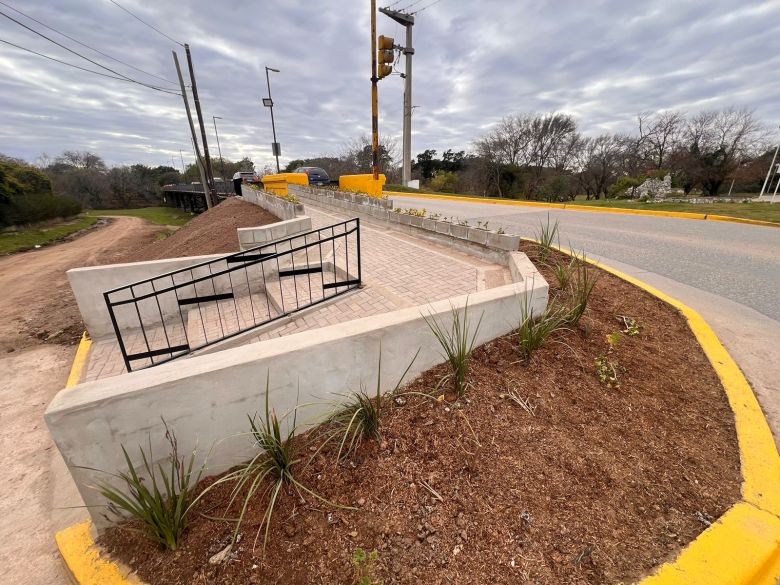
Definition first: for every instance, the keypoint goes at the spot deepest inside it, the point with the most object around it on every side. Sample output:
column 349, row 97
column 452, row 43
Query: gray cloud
column 602, row 61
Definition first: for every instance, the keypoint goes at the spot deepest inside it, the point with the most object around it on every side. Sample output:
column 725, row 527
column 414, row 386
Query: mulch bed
column 600, row 485
column 212, row 232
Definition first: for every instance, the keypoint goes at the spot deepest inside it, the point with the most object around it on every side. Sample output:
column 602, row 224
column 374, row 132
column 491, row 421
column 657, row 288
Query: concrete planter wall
column 251, row 237
column 271, row 203
column 475, row 240
column 206, row 399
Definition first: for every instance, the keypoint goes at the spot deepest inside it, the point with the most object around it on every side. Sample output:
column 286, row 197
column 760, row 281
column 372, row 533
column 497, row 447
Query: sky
column 601, row 61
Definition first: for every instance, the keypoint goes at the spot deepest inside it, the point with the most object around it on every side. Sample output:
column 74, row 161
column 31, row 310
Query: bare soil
column 599, row 485
column 213, row 232
column 37, row 304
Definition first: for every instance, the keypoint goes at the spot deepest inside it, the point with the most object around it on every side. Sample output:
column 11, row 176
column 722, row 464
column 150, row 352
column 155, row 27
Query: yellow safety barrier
column 363, row 184
column 278, row 184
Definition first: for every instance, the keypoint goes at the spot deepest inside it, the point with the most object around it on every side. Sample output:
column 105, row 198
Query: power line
column 158, row 31
column 393, row 4
column 86, row 45
column 40, row 34
column 408, row 6
column 426, row 7
column 78, row 67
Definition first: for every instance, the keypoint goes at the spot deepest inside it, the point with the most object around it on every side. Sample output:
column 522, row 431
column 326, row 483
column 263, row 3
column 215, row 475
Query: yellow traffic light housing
column 386, row 56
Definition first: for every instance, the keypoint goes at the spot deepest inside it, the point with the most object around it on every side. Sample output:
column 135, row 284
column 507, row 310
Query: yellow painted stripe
column 575, row 207
column 80, row 361
column 741, row 548
column 83, row 560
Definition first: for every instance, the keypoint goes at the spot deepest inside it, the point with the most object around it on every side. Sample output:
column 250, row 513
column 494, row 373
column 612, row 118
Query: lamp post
column 219, row 150
column 269, row 103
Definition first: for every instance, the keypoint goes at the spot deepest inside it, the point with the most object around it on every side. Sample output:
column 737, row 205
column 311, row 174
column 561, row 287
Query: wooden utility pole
column 209, row 170
column 374, row 98
column 199, row 161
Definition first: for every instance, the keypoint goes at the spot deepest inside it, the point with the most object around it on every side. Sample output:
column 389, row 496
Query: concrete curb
column 575, row 207
column 79, row 361
column 741, row 548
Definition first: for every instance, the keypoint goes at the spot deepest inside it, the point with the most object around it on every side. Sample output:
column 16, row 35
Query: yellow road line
column 80, row 361
column 83, row 560
column 575, row 207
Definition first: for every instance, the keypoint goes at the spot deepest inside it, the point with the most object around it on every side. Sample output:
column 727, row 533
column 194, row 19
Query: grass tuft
column 360, row 419
column 162, row 508
column 535, row 329
column 456, row 342
column 581, row 286
column 547, row 235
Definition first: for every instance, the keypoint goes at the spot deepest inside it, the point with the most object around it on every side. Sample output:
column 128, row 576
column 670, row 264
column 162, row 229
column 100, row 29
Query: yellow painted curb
column 80, row 361
column 741, row 548
column 574, row 206
column 83, row 561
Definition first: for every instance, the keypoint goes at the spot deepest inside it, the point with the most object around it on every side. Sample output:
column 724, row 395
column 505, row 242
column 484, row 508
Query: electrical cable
column 122, row 75
column 86, row 45
column 82, row 68
column 158, row 31
column 426, row 7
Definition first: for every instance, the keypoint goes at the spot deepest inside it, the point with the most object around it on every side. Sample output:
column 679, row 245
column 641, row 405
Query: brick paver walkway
column 398, row 271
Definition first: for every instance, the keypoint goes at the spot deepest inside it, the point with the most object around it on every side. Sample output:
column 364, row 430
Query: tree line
column 545, row 156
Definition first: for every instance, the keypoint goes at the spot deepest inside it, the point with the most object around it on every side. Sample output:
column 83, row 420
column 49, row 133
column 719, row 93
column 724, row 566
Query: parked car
column 317, row 176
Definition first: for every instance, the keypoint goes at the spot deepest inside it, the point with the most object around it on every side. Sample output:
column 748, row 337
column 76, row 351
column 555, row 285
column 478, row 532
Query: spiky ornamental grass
column 456, row 343
column 581, row 286
column 275, row 462
column 535, row 329
column 547, row 235
column 163, row 507
column 360, row 419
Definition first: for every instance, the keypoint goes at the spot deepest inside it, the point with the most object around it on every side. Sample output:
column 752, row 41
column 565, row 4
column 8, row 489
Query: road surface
column 728, row 272
column 36, row 304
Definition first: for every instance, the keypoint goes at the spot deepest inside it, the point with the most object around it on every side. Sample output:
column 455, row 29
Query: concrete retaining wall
column 251, row 237
column 206, row 399
column 326, row 195
column 470, row 239
column 89, row 284
column 271, row 203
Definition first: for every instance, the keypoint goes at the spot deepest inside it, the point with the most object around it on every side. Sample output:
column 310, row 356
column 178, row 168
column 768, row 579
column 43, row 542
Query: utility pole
column 406, row 20
column 221, row 162
column 204, row 182
column 276, row 149
column 209, row 171
column 374, row 98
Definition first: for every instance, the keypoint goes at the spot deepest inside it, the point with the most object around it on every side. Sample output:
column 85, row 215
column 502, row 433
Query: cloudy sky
column 602, row 61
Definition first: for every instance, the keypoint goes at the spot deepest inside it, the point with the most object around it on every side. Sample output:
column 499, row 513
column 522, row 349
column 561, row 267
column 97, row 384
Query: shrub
column 444, row 181
column 26, row 196
column 162, row 508
column 456, row 342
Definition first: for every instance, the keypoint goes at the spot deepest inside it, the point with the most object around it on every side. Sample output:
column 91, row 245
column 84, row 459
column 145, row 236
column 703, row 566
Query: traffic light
column 386, row 56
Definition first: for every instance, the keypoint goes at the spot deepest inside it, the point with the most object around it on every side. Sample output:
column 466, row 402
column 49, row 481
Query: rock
column 221, row 555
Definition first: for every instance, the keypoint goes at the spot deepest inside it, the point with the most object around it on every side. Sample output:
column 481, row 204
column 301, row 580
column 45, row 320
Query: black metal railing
column 162, row 318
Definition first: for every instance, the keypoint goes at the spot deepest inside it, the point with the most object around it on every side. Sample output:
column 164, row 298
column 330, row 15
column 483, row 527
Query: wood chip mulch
column 598, row 485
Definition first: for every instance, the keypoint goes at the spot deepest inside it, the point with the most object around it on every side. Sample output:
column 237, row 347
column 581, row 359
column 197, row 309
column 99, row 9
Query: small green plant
column 456, row 342
column 534, row 330
column 361, row 418
column 547, row 235
column 606, row 370
column 275, row 462
column 613, row 339
column 582, row 282
column 364, row 564
column 563, row 272
column 163, row 507
column 630, row 325
column 499, row 231
column 434, row 216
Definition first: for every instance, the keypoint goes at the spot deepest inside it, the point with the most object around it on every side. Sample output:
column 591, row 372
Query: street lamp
column 269, row 103
column 221, row 162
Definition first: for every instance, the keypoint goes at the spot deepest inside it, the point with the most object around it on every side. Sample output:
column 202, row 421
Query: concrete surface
column 728, row 272
column 91, row 421
column 251, row 237
column 281, row 208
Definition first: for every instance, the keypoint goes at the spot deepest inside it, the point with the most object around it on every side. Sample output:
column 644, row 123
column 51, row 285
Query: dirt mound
column 212, row 232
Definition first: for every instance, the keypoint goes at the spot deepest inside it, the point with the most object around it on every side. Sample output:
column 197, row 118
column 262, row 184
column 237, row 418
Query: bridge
column 190, row 197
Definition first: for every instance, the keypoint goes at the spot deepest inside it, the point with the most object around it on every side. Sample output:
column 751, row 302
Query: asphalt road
column 728, row 272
